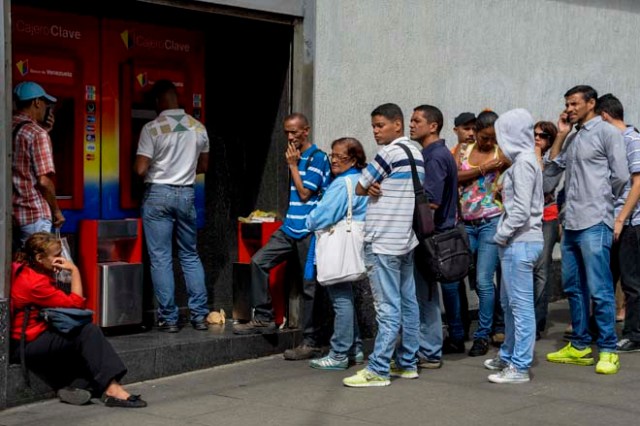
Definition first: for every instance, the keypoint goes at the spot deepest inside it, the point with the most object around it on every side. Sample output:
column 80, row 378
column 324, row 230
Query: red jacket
column 36, row 289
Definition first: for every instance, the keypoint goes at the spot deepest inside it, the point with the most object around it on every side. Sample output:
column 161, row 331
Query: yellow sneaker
column 571, row 355
column 609, row 363
column 364, row 379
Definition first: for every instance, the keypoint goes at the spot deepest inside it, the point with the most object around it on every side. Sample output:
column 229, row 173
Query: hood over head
column 514, row 131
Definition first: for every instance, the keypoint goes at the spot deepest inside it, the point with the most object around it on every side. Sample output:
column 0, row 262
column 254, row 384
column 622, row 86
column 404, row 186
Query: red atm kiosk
column 59, row 51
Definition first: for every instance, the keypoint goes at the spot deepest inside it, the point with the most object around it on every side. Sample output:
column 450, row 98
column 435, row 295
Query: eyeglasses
column 542, row 135
column 339, row 157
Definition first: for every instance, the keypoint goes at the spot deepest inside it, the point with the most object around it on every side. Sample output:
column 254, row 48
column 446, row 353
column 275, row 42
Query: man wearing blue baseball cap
column 35, row 208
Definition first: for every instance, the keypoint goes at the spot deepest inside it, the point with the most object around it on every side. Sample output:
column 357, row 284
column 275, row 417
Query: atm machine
column 59, row 51
column 135, row 56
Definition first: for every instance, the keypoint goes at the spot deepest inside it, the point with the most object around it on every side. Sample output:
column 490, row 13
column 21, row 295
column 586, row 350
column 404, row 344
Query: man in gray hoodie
column 520, row 240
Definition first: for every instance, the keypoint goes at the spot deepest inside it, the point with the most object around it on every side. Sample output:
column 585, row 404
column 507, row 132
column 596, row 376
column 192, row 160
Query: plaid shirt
column 32, row 157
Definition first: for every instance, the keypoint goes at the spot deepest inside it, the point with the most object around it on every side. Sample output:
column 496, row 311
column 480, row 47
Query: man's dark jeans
column 630, row 275
column 281, row 247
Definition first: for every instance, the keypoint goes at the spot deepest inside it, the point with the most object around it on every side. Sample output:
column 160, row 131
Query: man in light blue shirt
column 595, row 174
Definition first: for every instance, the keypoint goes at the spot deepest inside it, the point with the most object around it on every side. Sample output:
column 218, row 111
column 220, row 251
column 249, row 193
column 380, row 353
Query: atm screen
column 141, row 114
column 62, row 139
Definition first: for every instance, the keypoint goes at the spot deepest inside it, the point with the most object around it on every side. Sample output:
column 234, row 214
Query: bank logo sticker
column 90, row 128
column 90, row 147
column 90, row 93
column 127, row 39
column 197, row 100
column 142, row 79
column 91, row 138
column 91, row 107
column 23, row 67
column 91, row 118
column 90, row 157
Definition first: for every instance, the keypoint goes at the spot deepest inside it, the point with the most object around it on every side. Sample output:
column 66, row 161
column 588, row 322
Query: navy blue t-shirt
column 441, row 183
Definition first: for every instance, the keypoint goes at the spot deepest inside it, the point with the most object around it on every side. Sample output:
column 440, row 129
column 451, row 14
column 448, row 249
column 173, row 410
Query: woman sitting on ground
column 78, row 364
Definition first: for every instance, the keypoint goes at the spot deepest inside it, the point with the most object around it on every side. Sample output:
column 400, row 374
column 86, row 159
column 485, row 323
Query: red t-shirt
column 36, row 289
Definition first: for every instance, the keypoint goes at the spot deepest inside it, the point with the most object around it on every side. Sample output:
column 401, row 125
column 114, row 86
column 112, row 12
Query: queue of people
column 497, row 185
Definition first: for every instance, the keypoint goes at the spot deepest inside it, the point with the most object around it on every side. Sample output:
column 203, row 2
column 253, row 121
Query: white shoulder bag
column 340, row 249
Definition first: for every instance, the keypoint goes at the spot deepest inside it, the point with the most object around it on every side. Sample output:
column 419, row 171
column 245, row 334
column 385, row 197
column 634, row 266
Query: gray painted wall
column 468, row 55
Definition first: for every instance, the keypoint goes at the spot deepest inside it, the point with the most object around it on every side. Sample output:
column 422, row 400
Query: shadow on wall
column 632, row 6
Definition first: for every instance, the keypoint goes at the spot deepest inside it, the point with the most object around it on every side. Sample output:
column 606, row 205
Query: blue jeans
column 166, row 209
column 481, row 241
column 345, row 340
column 40, row 225
column 451, row 302
column 430, row 337
column 516, row 295
column 394, row 296
column 586, row 275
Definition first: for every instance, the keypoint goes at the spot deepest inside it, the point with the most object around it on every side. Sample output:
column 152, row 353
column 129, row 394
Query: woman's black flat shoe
column 134, row 401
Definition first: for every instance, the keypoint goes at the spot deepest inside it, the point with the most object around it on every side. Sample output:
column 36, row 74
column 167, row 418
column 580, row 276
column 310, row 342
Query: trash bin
column 111, row 268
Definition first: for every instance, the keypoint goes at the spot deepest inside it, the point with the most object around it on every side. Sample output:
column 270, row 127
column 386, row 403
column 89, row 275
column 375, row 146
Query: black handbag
column 447, row 255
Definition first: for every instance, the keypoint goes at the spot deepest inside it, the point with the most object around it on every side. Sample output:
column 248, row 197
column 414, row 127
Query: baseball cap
column 28, row 90
column 464, row 118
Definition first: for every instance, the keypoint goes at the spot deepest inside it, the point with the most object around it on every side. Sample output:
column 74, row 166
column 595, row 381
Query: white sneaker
column 510, row 375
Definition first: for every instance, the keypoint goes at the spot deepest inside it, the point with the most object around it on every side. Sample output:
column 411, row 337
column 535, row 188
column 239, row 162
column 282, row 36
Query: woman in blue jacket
column 347, row 159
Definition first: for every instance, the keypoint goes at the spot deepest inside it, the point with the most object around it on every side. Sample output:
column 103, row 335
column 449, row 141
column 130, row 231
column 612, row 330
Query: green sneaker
column 328, row 363
column 364, row 379
column 609, row 363
column 403, row 374
column 571, row 355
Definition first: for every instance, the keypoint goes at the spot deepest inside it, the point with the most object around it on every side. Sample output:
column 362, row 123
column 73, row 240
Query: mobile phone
column 48, row 113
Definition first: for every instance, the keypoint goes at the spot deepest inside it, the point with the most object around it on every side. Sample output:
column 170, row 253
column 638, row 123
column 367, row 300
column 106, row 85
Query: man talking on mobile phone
column 35, row 208
column 309, row 170
column 595, row 164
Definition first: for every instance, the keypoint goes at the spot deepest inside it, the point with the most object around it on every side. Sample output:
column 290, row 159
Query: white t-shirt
column 173, row 142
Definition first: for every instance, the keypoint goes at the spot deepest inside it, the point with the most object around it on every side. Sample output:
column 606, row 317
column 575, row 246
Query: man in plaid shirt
column 35, row 207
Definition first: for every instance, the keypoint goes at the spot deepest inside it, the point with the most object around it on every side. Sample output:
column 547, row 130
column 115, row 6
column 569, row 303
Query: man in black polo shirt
column 441, row 185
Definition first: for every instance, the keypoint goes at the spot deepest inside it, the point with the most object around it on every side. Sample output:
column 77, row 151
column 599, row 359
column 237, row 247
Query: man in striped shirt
column 35, row 208
column 309, row 170
column 626, row 228
column 389, row 244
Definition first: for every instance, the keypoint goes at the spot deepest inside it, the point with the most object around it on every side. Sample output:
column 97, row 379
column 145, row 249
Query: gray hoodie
column 522, row 194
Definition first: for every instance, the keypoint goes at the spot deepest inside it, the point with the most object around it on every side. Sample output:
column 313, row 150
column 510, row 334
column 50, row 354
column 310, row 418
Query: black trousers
column 281, row 247
column 84, row 360
column 629, row 261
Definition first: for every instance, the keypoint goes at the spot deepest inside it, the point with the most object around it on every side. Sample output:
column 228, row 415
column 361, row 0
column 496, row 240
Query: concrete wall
column 468, row 55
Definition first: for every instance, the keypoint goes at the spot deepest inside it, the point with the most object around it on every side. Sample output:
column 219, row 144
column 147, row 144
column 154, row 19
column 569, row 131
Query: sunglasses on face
column 338, row 157
column 542, row 135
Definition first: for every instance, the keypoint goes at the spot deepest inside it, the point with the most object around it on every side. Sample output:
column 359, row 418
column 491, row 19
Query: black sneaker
column 450, row 346
column 167, row 327
column 626, row 345
column 255, row 327
column 302, row 352
column 480, row 347
column 200, row 325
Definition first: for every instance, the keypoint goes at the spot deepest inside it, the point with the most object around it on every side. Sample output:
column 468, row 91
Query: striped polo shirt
column 632, row 142
column 389, row 223
column 314, row 171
